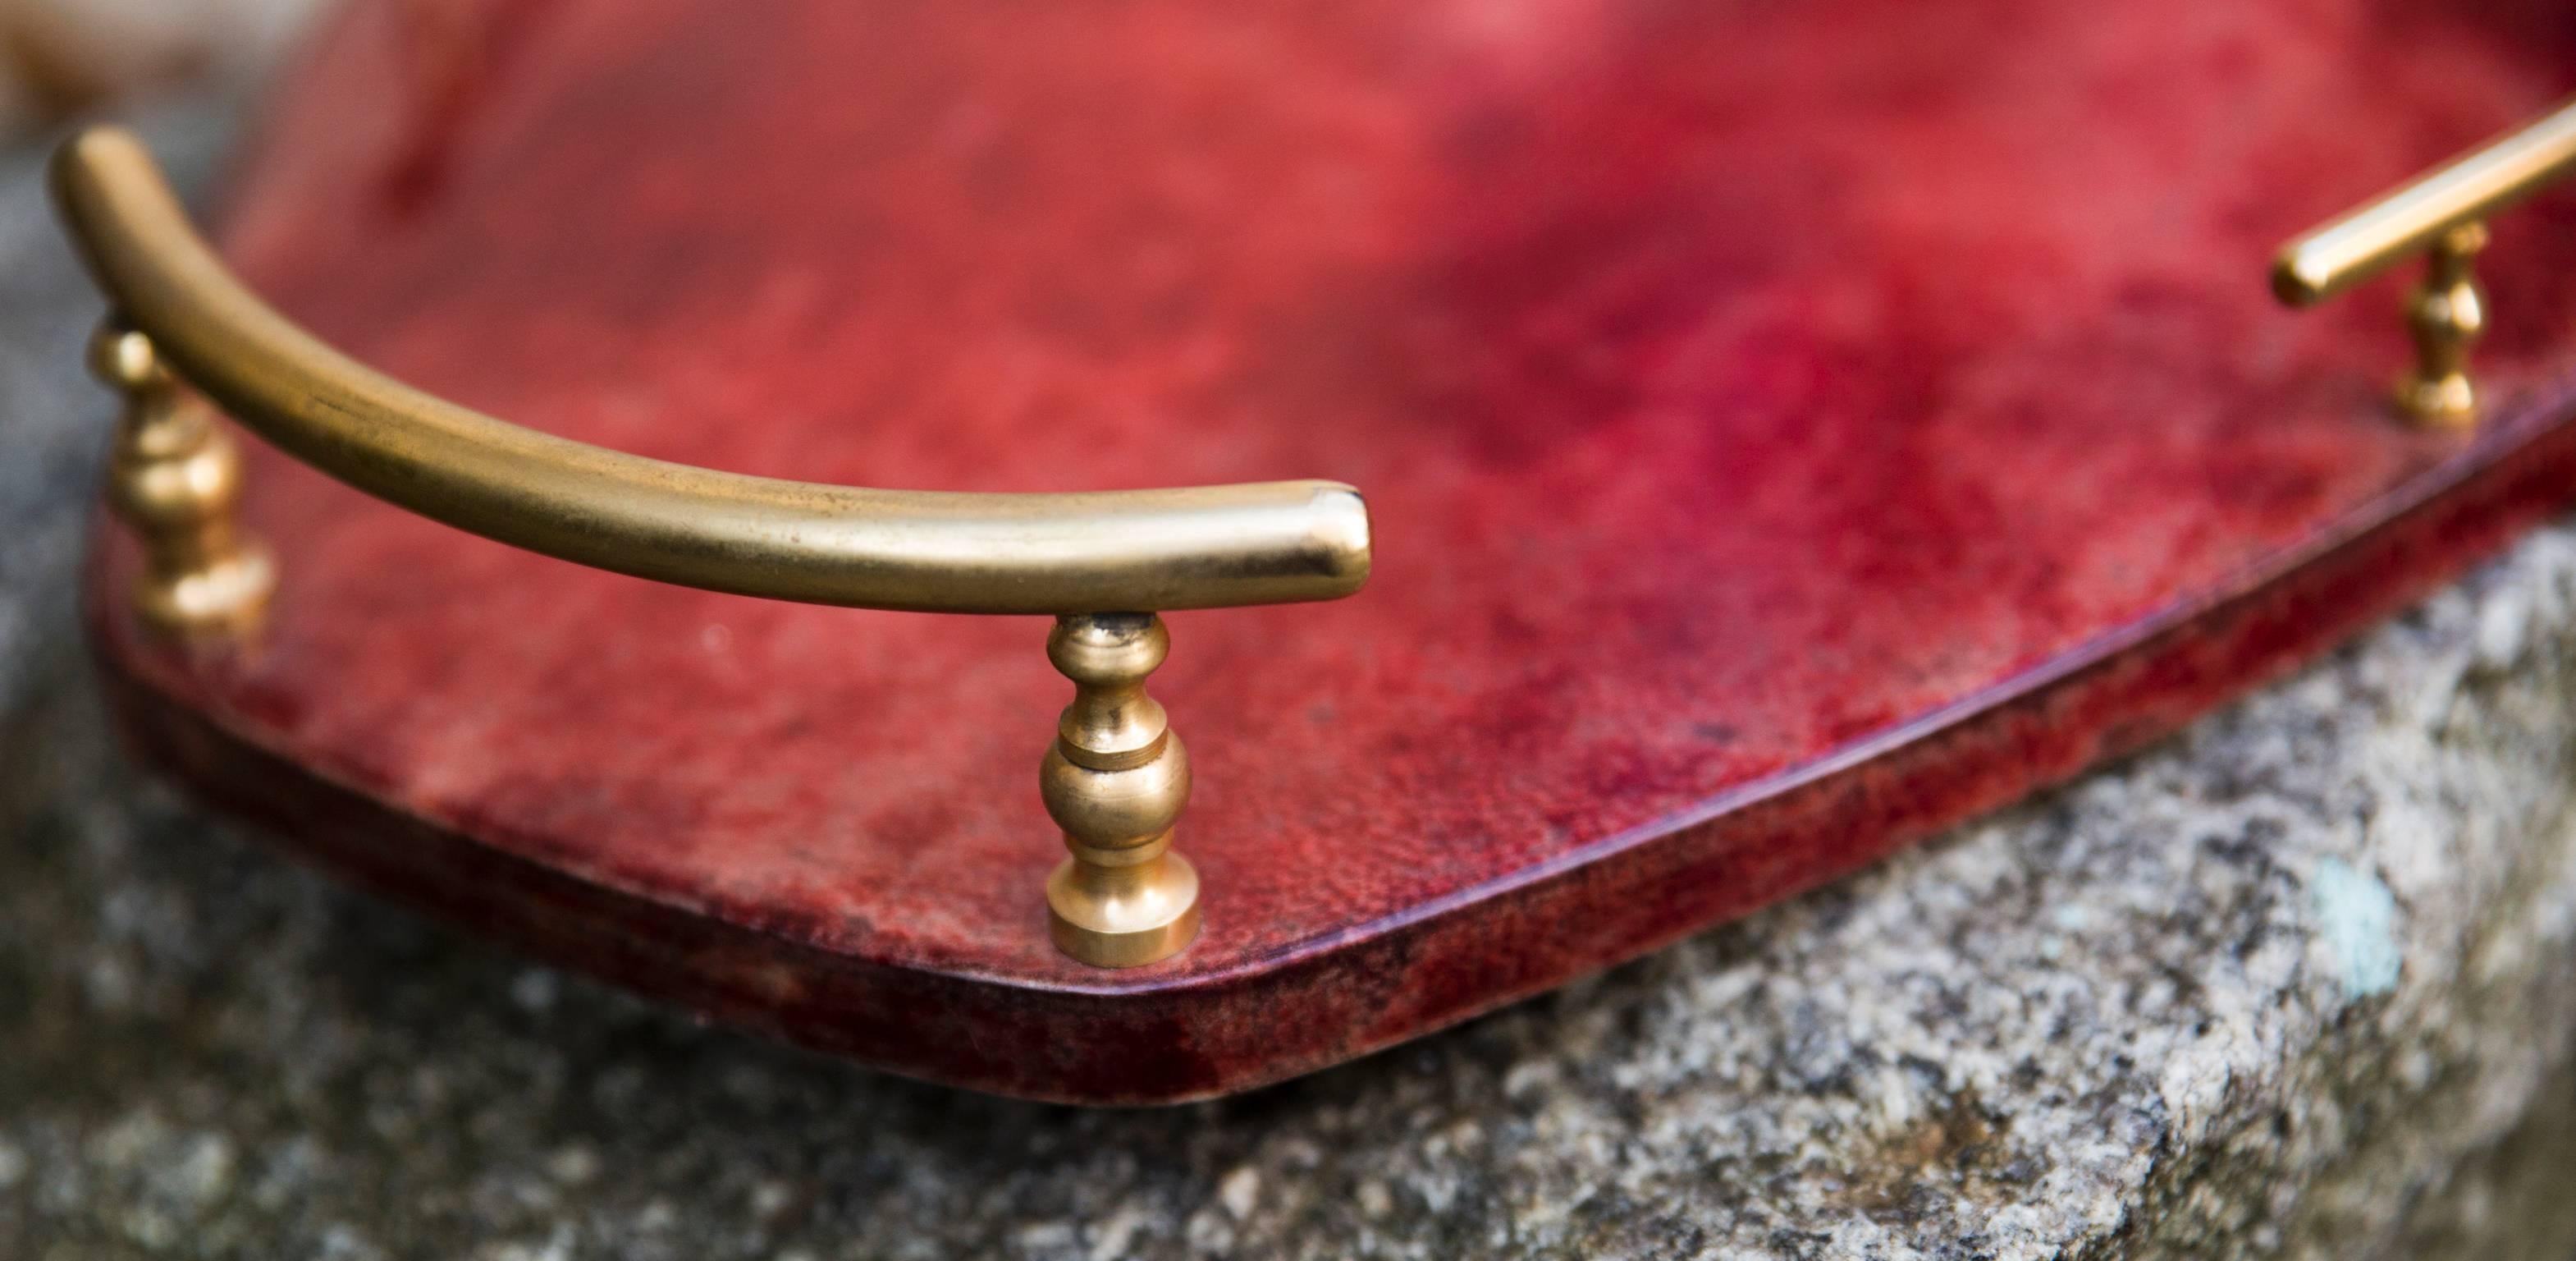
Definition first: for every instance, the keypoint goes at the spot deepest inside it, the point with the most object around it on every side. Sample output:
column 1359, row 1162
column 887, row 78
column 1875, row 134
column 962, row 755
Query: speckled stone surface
column 2301, row 982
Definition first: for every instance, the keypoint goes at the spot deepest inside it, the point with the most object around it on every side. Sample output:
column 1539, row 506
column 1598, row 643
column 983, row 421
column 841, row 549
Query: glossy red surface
column 1789, row 427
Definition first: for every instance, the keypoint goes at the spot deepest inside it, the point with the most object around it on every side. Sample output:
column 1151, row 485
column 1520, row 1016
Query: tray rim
column 2346, row 573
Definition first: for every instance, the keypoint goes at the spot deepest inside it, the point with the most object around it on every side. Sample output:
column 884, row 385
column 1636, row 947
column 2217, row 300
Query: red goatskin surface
column 1790, row 428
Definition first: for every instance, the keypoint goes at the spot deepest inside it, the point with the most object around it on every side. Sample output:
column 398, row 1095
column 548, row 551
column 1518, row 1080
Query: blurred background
column 60, row 58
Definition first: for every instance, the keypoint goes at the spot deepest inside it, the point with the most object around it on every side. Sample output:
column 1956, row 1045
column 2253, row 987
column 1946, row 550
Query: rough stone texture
column 2302, row 982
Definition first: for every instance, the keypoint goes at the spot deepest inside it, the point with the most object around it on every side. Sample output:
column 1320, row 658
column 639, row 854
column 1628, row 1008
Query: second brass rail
column 2416, row 216
column 2442, row 215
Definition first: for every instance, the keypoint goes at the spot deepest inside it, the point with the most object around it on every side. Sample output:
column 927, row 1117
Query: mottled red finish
column 1790, row 428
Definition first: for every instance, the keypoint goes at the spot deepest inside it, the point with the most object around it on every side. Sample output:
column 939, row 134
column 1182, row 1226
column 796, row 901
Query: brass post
column 2446, row 314
column 174, row 476
column 1115, row 780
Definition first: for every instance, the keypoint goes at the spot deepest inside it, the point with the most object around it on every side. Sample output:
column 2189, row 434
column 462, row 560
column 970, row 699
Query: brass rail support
column 2441, row 214
column 2446, row 314
column 175, row 477
column 1116, row 780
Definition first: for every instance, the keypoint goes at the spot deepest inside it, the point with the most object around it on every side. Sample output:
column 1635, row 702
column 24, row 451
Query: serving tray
column 1786, row 430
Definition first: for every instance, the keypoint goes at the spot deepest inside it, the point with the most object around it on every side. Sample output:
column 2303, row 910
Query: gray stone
column 2301, row 982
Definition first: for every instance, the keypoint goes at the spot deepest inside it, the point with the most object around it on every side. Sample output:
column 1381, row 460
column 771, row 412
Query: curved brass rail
column 1139, row 550
column 1116, row 778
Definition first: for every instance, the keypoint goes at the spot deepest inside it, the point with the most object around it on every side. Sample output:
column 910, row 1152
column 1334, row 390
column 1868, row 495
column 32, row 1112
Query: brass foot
column 175, row 477
column 1116, row 780
column 2446, row 315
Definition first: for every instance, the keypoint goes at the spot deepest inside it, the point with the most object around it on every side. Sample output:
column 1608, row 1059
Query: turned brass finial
column 2446, row 314
column 1116, row 780
column 175, row 476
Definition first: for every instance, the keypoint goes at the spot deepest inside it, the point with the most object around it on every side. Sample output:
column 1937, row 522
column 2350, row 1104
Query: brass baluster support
column 1115, row 781
column 2446, row 313
column 174, row 476
column 2441, row 214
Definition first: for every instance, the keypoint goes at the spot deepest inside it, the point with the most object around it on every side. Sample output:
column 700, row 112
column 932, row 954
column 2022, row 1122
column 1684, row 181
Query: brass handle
column 1201, row 547
column 1104, row 563
column 2443, row 213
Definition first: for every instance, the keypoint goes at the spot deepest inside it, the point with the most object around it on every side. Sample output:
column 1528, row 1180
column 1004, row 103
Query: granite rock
column 2300, row 982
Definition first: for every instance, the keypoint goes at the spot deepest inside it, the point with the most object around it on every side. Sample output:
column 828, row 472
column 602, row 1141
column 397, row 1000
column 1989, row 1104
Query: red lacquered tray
column 1790, row 428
